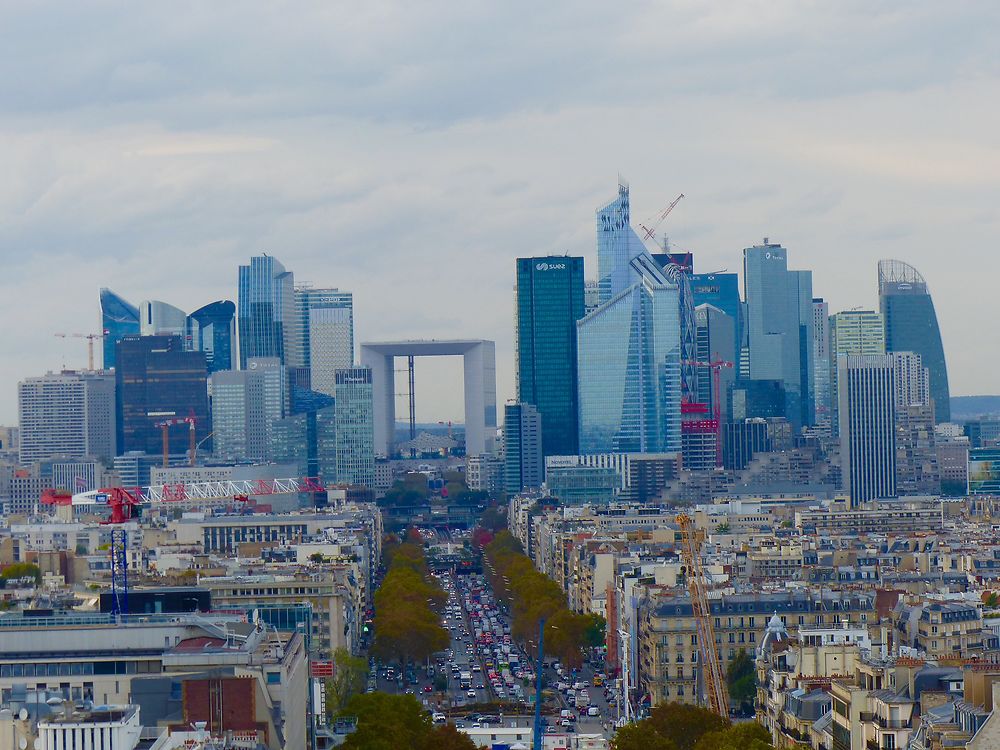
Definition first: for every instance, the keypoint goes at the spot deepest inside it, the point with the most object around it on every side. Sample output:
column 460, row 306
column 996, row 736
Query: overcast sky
column 410, row 151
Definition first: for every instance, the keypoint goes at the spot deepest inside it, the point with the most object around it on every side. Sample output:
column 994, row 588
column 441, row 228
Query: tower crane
column 716, row 365
column 648, row 232
column 713, row 674
column 91, row 338
column 122, row 501
column 165, row 426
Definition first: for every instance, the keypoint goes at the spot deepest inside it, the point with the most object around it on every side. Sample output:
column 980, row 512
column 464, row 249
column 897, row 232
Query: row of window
column 67, row 669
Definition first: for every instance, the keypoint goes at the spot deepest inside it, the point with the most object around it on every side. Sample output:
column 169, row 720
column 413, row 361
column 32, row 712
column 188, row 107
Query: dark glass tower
column 721, row 290
column 266, row 315
column 911, row 326
column 118, row 320
column 210, row 329
column 550, row 300
column 157, row 380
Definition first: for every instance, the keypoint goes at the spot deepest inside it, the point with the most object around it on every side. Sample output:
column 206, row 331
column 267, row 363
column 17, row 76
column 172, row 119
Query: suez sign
column 550, row 266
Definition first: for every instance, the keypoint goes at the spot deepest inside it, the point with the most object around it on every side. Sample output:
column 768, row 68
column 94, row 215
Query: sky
column 409, row 152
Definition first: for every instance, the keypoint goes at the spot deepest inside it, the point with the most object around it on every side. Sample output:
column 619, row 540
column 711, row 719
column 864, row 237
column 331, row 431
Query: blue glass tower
column 211, row 329
column 118, row 320
column 550, row 299
column 266, row 312
column 722, row 291
column 911, row 326
column 617, row 246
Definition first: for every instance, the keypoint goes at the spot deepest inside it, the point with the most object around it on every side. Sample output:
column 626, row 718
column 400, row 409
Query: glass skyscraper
column 118, row 320
column 326, row 334
column 266, row 312
column 211, row 329
column 629, row 369
column 911, row 326
column 524, row 467
column 867, row 395
column 721, row 290
column 550, row 299
column 617, row 246
column 779, row 327
column 245, row 405
column 355, row 426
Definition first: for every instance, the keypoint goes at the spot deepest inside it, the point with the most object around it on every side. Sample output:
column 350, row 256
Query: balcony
column 883, row 723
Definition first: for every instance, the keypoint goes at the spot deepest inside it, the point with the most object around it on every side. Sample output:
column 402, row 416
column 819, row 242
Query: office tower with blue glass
column 911, row 326
column 157, row 380
column 716, row 337
column 266, row 312
column 550, row 299
column 158, row 318
column 822, row 365
column 617, row 246
column 212, row 329
column 245, row 406
column 355, row 426
column 119, row 318
column 326, row 334
column 779, row 327
column 524, row 466
column 867, row 395
column 722, row 291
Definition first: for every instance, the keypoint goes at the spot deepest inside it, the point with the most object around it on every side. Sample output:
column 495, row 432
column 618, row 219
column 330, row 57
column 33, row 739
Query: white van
column 439, row 718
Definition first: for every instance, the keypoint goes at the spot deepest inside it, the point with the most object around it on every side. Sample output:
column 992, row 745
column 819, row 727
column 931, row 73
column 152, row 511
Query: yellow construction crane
column 711, row 667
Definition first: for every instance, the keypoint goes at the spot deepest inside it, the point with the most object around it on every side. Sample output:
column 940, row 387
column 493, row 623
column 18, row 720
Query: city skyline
column 159, row 192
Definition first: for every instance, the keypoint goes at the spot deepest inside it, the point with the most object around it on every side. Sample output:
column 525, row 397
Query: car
column 439, row 718
column 593, row 711
column 428, row 688
column 480, row 686
column 470, row 693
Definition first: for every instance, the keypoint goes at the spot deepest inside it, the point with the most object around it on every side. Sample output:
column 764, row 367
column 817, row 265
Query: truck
column 465, row 676
column 582, row 699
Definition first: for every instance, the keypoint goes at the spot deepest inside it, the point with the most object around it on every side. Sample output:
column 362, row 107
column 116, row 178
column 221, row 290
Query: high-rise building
column 355, row 426
column 628, row 366
column 822, row 366
column 742, row 440
column 550, row 299
column 867, row 396
column 119, row 319
column 157, row 380
column 857, row 332
column 266, row 312
column 722, row 291
column 617, row 246
column 161, row 319
column 524, row 466
column 591, row 296
column 911, row 326
column 326, row 333
column 245, row 405
column 716, row 341
column 917, row 471
column 212, row 329
column 67, row 414
column 756, row 399
column 779, row 327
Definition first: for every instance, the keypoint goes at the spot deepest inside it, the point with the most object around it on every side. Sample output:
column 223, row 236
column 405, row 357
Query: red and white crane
column 716, row 365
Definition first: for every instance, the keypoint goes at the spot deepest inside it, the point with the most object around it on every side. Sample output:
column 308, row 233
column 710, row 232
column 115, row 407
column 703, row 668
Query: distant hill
column 970, row 407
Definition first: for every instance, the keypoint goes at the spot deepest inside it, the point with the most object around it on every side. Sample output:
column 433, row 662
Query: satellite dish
column 23, row 714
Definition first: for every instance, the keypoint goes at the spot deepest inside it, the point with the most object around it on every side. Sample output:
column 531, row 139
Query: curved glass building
column 211, row 329
column 911, row 326
column 118, row 320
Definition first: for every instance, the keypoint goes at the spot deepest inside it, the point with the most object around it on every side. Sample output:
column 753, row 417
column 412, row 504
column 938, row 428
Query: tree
column 317, row 557
column 349, row 673
column 991, row 599
column 641, row 736
column 741, row 679
column 447, row 737
column 386, row 722
column 494, row 518
column 18, row 570
column 747, row 735
column 685, row 724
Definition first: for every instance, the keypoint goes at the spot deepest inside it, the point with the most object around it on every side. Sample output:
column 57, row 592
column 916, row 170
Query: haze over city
column 410, row 153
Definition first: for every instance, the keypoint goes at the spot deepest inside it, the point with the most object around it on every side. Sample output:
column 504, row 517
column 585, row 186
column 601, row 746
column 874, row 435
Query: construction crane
column 91, row 338
column 716, row 365
column 713, row 675
column 122, row 501
column 648, row 232
column 165, row 426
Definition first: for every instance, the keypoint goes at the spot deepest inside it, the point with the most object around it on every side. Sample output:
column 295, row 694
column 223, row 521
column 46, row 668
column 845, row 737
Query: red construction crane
column 165, row 426
column 648, row 232
column 716, row 366
column 91, row 338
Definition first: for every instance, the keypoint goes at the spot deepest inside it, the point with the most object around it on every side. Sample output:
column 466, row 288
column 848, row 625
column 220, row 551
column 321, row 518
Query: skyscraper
column 326, row 334
column 852, row 332
column 161, row 319
column 355, row 426
column 550, row 299
column 716, row 337
column 722, row 291
column 266, row 312
column 822, row 375
column 617, row 246
column 917, row 471
column 779, row 327
column 628, row 365
column 867, row 396
column 66, row 414
column 524, row 467
column 911, row 326
column 157, row 380
column 245, row 405
column 212, row 329
column 118, row 320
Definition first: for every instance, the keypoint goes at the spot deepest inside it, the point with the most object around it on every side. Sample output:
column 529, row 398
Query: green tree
column 386, row 722
column 741, row 679
column 641, row 736
column 349, row 674
column 317, row 557
column 685, row 724
column 447, row 737
column 747, row 735
column 22, row 570
column 494, row 518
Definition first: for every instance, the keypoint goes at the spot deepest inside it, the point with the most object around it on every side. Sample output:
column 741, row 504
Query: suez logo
column 550, row 267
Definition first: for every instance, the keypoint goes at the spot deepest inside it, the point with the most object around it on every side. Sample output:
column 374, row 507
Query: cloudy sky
column 410, row 151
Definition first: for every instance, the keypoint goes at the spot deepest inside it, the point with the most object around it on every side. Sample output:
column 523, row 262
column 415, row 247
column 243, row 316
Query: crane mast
column 714, row 677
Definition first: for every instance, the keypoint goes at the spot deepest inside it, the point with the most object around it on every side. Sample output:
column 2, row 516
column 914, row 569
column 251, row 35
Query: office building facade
column 68, row 414
column 716, row 342
column 617, row 246
column 266, row 312
column 867, row 407
column 911, row 326
column 550, row 299
column 326, row 334
column 355, row 427
column 524, row 464
column 119, row 318
column 161, row 319
column 822, row 365
column 779, row 327
column 212, row 329
column 245, row 405
column 722, row 291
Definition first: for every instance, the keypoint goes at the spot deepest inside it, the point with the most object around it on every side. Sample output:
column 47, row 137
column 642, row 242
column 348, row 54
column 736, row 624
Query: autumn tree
column 641, row 736
column 685, row 724
column 747, row 735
